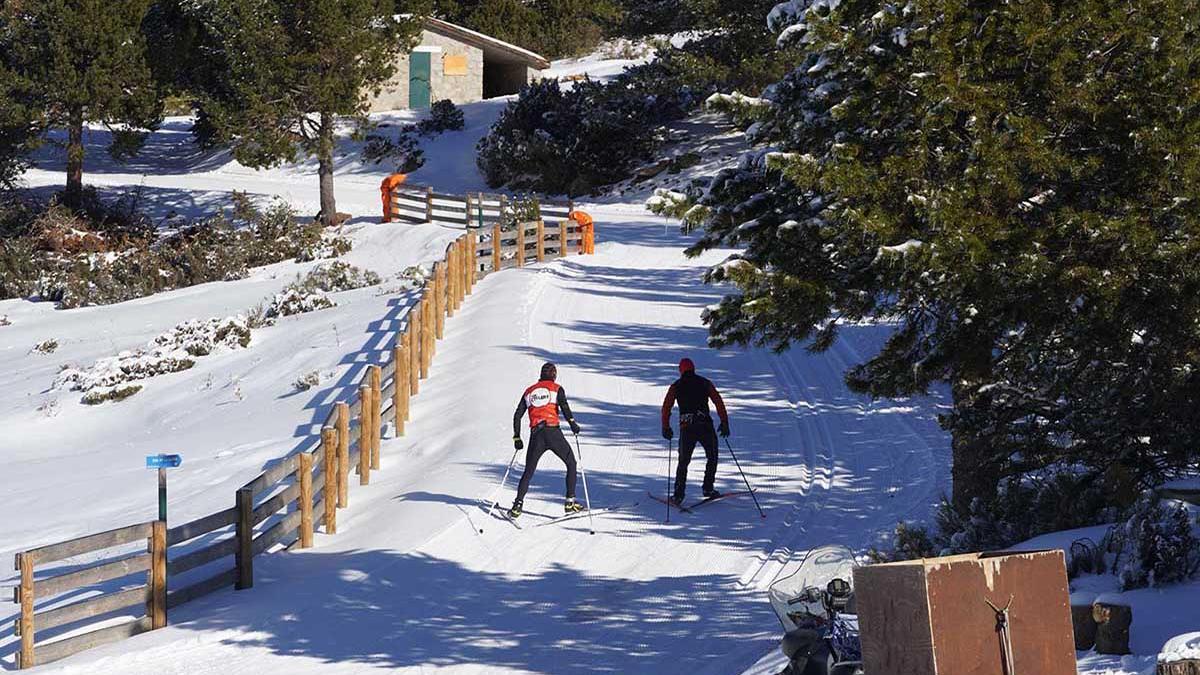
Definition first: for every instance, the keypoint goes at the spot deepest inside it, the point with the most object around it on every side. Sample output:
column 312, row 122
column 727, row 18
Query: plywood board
column 454, row 64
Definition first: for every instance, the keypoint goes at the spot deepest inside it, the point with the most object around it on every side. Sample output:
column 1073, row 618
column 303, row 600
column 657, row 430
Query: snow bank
column 1181, row 648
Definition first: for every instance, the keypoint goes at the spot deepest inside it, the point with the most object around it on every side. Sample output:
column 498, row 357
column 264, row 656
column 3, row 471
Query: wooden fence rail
column 412, row 203
column 284, row 505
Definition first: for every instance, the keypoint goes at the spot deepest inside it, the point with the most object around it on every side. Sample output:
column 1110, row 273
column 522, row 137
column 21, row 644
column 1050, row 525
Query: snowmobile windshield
column 797, row 595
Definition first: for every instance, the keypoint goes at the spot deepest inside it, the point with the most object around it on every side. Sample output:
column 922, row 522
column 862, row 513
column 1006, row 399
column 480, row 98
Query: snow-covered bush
column 293, row 300
column 169, row 352
column 307, row 381
column 75, row 261
column 1156, row 544
column 4, row 320
column 46, row 347
column 309, row 293
column 443, row 116
column 98, row 396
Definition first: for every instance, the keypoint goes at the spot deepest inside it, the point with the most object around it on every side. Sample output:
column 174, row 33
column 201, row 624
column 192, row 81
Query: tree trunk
column 325, row 170
column 972, row 471
column 73, row 196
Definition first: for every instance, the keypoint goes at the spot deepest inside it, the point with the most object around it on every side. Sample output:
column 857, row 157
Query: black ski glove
column 724, row 429
column 668, row 433
column 574, row 426
column 517, row 443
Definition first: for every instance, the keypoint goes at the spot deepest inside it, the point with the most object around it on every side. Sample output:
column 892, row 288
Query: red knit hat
column 685, row 365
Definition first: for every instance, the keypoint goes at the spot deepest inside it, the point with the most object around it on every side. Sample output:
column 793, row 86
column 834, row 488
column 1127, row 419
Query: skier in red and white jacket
column 693, row 393
column 544, row 401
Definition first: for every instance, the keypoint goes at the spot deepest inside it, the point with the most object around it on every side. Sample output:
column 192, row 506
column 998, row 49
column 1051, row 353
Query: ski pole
column 586, row 499
column 750, row 489
column 669, row 446
column 496, row 492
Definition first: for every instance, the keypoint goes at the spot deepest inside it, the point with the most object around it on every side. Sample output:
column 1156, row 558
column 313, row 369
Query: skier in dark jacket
column 693, row 393
column 544, row 401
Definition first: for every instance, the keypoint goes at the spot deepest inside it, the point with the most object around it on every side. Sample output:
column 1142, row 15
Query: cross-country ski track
column 409, row 583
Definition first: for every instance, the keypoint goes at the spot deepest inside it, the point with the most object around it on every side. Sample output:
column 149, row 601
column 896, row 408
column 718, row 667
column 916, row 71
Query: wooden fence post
column 497, row 261
column 429, row 205
column 439, row 294
column 413, row 334
column 541, row 240
column 343, row 452
column 245, row 535
column 376, row 414
column 25, row 595
column 562, row 239
column 157, row 609
column 400, row 386
column 304, row 478
column 426, row 330
column 460, row 265
column 473, row 259
column 452, row 278
column 364, row 435
column 520, row 244
column 333, row 470
column 467, row 200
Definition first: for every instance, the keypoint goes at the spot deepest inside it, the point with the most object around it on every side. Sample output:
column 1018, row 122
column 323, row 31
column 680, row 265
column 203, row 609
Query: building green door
column 419, row 69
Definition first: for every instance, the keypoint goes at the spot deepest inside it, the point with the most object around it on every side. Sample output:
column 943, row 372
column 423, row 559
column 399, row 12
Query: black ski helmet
column 549, row 371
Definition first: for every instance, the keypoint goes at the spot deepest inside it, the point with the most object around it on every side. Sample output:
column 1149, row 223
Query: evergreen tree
column 1017, row 187
column 19, row 130
column 278, row 75
column 84, row 60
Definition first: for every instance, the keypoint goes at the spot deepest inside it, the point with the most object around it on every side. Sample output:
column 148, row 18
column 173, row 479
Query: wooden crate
column 931, row 617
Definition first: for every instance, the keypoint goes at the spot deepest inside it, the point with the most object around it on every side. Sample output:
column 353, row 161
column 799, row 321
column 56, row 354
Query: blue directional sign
column 163, row 461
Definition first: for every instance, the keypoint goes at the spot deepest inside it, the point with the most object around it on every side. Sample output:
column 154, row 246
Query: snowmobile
column 815, row 604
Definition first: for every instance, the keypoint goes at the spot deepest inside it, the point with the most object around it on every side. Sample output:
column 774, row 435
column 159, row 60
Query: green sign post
column 162, row 463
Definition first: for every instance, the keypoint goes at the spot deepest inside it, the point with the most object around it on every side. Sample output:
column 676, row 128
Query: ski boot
column 677, row 500
column 515, row 511
column 572, row 506
column 712, row 493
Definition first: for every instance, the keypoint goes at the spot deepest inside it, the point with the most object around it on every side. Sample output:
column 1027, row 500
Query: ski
column 668, row 502
column 504, row 514
column 709, row 500
column 583, row 513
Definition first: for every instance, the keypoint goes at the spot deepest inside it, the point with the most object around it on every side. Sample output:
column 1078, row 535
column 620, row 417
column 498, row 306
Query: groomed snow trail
column 409, row 583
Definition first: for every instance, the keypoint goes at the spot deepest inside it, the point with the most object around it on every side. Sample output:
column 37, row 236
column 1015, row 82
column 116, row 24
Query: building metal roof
column 493, row 49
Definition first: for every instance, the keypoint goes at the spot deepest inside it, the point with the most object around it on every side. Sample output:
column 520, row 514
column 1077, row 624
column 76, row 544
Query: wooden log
column 25, row 596
column 562, row 239
column 439, row 294
column 429, row 205
column 200, row 589
column 376, row 415
column 343, row 451
column 304, row 478
column 277, row 533
column 201, row 526
column 245, row 537
column 1112, row 627
column 416, row 348
column 473, row 274
column 61, row 649
column 157, row 607
column 400, row 382
column 90, row 576
column 88, row 544
column 496, row 262
column 193, row 559
column 541, row 240
column 364, row 441
column 91, row 607
column 329, row 450
column 424, row 335
column 467, row 200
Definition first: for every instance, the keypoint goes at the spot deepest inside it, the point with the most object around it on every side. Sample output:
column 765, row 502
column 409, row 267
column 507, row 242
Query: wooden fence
column 413, row 203
column 152, row 568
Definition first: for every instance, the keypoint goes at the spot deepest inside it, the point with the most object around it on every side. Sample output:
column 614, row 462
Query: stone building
column 459, row 64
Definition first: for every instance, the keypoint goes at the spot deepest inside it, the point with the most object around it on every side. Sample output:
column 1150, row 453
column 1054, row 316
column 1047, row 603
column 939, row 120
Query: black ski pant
column 689, row 436
column 545, row 438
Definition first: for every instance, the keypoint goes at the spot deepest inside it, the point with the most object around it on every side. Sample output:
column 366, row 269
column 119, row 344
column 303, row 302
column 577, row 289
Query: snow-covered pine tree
column 1017, row 187
column 84, row 61
column 291, row 69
